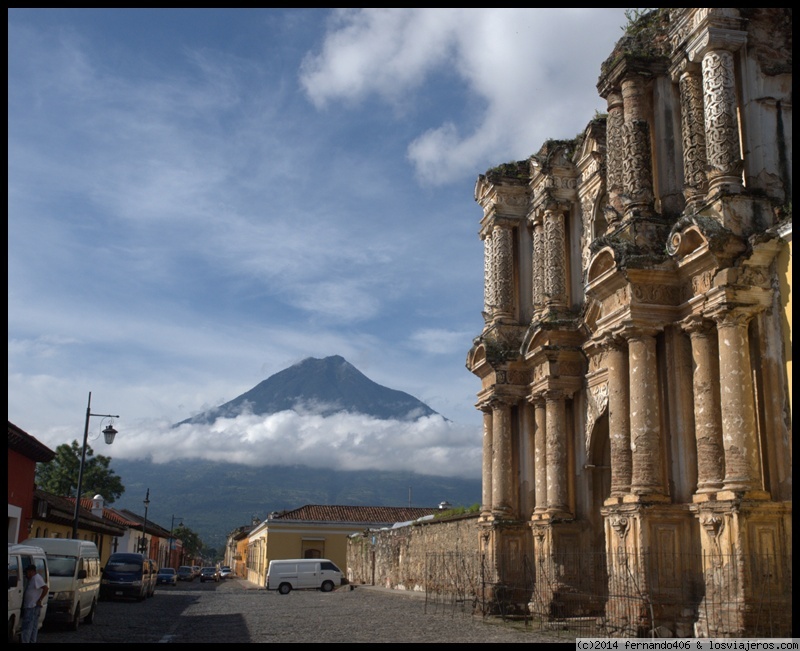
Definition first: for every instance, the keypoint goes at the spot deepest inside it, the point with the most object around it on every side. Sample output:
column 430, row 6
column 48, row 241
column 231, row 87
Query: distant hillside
column 212, row 499
column 323, row 386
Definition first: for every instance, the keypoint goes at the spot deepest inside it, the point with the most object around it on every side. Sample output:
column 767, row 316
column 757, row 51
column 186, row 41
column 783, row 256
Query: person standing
column 35, row 592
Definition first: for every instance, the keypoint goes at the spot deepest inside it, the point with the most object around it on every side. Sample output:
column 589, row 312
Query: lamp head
column 108, row 434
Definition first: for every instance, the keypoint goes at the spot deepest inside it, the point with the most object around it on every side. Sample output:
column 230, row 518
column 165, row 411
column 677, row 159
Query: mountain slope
column 213, row 499
column 321, row 386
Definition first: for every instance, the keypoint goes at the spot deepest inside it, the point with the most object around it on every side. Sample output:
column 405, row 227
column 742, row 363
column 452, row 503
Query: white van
column 303, row 573
column 74, row 579
column 19, row 557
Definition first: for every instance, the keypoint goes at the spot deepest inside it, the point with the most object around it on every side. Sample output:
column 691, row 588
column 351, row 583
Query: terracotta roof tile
column 374, row 515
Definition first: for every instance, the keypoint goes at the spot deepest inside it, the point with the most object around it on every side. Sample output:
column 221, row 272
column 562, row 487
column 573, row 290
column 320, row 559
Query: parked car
column 303, row 573
column 74, row 579
column 185, row 573
column 196, row 570
column 209, row 574
column 128, row 574
column 167, row 576
column 225, row 572
column 19, row 558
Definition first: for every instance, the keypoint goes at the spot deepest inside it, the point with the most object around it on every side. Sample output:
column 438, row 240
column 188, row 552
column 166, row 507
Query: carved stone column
column 722, row 125
column 619, row 422
column 503, row 270
column 540, row 455
column 614, row 151
column 501, row 459
column 538, row 265
column 555, row 270
column 707, row 414
column 693, row 136
column 489, row 280
column 637, row 176
column 737, row 403
column 647, row 478
column 557, row 495
column 486, row 483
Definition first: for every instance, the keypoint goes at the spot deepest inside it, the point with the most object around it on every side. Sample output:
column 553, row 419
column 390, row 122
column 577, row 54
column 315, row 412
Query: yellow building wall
column 41, row 529
column 785, row 277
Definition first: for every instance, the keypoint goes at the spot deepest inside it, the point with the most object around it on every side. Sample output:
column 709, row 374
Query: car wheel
column 327, row 586
column 284, row 588
column 76, row 619
column 89, row 619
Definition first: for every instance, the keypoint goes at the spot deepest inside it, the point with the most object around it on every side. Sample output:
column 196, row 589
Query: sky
column 198, row 199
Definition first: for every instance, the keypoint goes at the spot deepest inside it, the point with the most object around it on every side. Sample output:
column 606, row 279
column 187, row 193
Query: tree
column 192, row 545
column 60, row 476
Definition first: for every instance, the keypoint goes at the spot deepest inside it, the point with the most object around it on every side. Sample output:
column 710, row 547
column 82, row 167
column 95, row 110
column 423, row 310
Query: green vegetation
column 60, row 476
column 459, row 510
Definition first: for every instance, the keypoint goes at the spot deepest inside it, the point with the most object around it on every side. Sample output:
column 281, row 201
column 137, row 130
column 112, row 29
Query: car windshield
column 61, row 565
column 166, row 570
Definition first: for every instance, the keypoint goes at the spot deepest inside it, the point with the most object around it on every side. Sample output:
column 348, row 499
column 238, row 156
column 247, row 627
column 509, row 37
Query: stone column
column 488, row 451
column 489, row 281
column 637, row 177
column 693, row 135
column 556, row 454
column 503, row 250
column 707, row 415
column 540, row 455
column 614, row 150
column 555, row 270
column 737, row 404
column 722, row 125
column 501, row 458
column 647, row 466
column 619, row 421
column 537, row 228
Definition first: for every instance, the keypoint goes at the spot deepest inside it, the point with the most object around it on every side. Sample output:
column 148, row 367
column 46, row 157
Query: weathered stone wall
column 396, row 558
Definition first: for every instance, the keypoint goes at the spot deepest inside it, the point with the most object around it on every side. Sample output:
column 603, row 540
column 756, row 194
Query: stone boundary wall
column 396, row 558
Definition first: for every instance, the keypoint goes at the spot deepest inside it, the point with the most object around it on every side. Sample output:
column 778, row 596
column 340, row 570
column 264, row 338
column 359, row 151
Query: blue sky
column 198, row 199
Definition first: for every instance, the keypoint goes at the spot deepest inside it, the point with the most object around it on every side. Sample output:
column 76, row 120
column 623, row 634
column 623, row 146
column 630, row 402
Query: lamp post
column 108, row 434
column 143, row 544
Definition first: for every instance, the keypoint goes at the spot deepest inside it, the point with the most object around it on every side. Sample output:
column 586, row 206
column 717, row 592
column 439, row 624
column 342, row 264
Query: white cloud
column 429, row 445
column 533, row 70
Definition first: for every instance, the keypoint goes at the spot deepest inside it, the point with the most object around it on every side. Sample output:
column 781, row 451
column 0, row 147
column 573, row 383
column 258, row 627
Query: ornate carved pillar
column 722, row 125
column 537, row 227
column 501, row 458
column 707, row 415
column 486, row 483
column 540, row 455
column 555, row 270
column 693, row 134
column 737, row 403
column 503, row 269
column 614, row 139
column 619, row 422
column 557, row 495
column 647, row 466
column 489, row 281
column 637, row 176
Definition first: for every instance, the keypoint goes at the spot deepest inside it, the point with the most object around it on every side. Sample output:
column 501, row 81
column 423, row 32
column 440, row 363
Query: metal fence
column 593, row 595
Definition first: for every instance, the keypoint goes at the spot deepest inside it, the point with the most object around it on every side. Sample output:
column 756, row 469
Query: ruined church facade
column 635, row 360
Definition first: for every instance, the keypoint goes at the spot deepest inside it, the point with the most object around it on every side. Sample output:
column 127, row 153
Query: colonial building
column 635, row 357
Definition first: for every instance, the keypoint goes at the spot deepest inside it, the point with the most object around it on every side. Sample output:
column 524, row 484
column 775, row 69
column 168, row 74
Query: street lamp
column 143, row 544
column 108, row 434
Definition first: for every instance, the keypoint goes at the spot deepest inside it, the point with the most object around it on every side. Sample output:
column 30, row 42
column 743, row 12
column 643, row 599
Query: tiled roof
column 20, row 441
column 373, row 515
column 61, row 510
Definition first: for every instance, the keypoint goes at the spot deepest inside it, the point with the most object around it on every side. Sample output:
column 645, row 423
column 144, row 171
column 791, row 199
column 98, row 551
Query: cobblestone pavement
column 240, row 612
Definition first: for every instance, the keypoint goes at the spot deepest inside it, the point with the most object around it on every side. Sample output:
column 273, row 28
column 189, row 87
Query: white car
column 225, row 572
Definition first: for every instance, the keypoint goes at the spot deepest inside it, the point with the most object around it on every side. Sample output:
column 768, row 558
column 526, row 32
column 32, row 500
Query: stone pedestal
column 746, row 559
column 506, row 550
